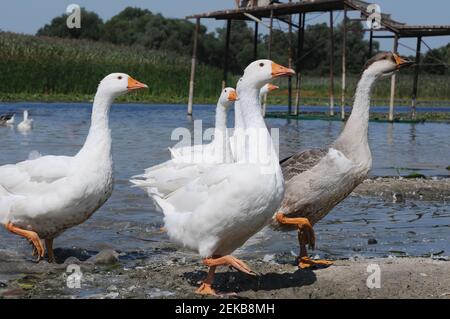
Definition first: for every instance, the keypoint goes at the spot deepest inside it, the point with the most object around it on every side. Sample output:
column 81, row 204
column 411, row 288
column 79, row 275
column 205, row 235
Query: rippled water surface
column 142, row 133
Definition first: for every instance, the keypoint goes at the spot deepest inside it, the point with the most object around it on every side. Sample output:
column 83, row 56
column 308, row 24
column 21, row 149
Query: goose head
column 269, row 88
column 116, row 84
column 261, row 72
column 385, row 64
column 228, row 97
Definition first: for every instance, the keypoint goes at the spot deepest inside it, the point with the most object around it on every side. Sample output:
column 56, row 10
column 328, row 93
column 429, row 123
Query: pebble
column 72, row 260
column 105, row 257
column 111, row 289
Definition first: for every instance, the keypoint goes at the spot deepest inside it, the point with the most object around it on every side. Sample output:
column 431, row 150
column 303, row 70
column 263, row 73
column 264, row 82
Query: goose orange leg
column 30, row 236
column 306, row 236
column 206, row 287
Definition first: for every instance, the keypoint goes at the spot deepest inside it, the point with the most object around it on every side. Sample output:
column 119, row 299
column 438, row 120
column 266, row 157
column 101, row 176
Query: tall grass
column 430, row 88
column 40, row 67
column 36, row 65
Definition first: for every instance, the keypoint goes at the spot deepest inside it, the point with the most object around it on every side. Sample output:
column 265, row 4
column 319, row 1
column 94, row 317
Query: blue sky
column 26, row 16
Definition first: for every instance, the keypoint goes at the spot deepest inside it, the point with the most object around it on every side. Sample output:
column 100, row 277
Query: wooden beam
column 344, row 63
column 393, row 83
column 227, row 54
column 269, row 53
column 282, row 9
column 331, row 64
column 270, row 35
column 370, row 43
column 288, row 22
column 416, row 78
column 193, row 65
column 300, row 44
column 383, row 36
column 290, row 64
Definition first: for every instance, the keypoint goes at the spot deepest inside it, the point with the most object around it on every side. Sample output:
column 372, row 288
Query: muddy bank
column 178, row 277
column 398, row 189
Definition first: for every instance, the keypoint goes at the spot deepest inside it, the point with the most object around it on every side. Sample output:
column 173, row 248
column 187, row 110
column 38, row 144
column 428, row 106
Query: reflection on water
column 141, row 135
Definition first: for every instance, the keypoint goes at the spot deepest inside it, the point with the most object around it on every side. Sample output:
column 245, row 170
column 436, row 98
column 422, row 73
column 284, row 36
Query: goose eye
column 119, row 77
column 261, row 64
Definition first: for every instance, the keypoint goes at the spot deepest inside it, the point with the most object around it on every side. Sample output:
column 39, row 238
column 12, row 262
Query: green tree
column 91, row 27
column 439, row 60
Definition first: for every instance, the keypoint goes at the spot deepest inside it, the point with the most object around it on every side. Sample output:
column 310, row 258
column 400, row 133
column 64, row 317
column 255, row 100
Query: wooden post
column 331, row 64
column 270, row 35
column 290, row 64
column 193, row 65
column 393, row 83
column 269, row 53
column 301, row 33
column 370, row 44
column 227, row 48
column 416, row 78
column 344, row 62
column 255, row 42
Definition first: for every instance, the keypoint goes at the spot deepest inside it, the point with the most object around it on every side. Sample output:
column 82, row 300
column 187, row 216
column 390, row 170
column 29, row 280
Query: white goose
column 27, row 124
column 218, row 211
column 218, row 146
column 42, row 198
column 188, row 162
column 266, row 89
column 319, row 179
column 237, row 140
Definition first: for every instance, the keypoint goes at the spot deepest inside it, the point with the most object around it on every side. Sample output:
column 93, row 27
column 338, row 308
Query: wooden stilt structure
column 300, row 44
column 344, row 63
column 416, row 78
column 193, row 65
column 331, row 64
column 393, row 83
column 226, row 55
column 281, row 11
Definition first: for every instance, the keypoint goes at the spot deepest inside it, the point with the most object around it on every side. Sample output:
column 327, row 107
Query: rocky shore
column 171, row 272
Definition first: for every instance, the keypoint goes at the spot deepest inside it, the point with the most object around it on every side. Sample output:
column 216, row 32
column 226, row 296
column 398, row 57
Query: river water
column 128, row 222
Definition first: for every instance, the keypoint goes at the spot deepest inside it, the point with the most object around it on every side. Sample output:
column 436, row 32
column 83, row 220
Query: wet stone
column 372, row 241
column 105, row 257
column 72, row 260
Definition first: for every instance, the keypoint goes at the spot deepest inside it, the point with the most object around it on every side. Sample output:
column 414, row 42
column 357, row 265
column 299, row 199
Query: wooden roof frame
column 401, row 29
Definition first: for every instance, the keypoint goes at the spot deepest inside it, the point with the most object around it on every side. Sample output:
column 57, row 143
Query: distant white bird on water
column 5, row 119
column 11, row 120
column 27, row 124
column 43, row 197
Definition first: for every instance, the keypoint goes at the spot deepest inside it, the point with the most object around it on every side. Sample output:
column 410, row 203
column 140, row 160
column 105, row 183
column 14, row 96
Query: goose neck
column 99, row 136
column 358, row 122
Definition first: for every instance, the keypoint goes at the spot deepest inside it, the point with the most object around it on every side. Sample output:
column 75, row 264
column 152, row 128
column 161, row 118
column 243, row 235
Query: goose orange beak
column 279, row 70
column 401, row 62
column 273, row 87
column 232, row 96
column 135, row 84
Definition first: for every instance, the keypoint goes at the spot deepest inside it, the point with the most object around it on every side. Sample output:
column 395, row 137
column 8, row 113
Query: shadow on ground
column 225, row 282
